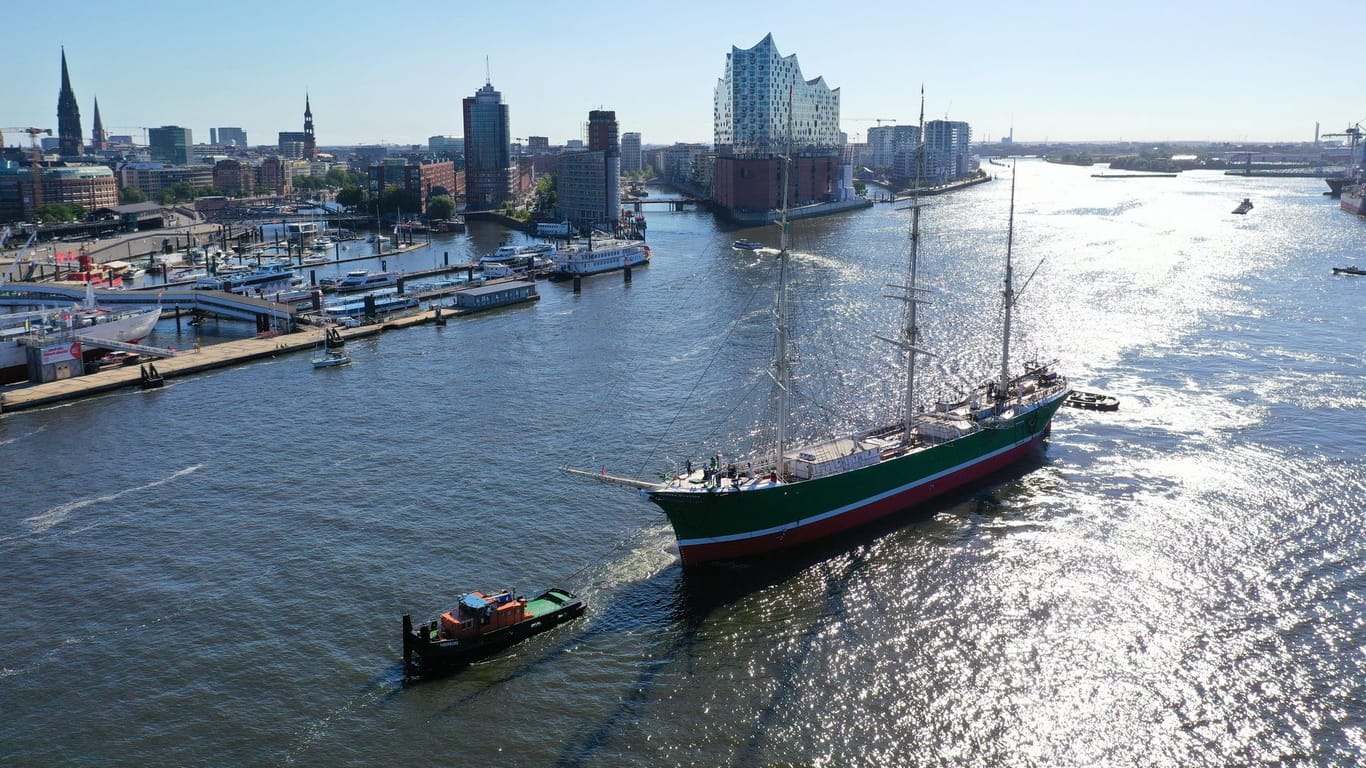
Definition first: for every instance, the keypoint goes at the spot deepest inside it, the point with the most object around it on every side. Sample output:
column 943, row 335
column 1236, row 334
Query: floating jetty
column 25, row 396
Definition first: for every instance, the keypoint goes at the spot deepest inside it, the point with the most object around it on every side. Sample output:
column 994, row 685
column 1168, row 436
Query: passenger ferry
column 267, row 279
column 579, row 259
column 386, row 302
column 363, row 280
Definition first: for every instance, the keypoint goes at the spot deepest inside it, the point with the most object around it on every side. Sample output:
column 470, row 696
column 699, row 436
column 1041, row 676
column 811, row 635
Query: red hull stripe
column 854, row 515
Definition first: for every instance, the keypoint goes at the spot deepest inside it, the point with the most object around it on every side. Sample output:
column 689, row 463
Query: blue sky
column 396, row 71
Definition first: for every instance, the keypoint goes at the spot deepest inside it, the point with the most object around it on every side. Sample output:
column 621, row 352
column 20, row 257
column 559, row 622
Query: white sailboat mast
column 782, row 368
column 1008, row 297
column 910, row 331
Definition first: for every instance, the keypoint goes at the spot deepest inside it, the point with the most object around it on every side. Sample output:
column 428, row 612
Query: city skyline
column 1063, row 71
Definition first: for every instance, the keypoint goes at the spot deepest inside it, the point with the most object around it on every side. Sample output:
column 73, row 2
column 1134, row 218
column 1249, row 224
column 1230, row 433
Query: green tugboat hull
column 428, row 654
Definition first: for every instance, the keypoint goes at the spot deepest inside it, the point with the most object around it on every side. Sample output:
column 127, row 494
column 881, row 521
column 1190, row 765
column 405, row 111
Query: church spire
column 310, row 141
column 99, row 141
column 68, row 116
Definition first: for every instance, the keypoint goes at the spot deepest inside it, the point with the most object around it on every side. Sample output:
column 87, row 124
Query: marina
column 1172, row 579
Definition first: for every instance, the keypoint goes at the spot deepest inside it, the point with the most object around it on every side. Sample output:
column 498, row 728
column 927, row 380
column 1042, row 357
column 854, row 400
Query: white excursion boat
column 364, row 280
column 592, row 257
column 385, row 302
column 264, row 280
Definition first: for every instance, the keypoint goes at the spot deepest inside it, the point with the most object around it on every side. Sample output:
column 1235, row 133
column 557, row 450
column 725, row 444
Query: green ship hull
column 741, row 519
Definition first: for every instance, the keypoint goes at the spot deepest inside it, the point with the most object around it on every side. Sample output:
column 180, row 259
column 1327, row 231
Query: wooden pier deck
column 20, row 397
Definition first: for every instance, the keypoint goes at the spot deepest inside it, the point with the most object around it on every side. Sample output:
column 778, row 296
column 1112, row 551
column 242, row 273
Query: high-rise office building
column 488, row 152
column 588, row 184
column 170, row 144
column 450, row 146
column 228, row 137
column 630, row 152
column 603, row 137
column 68, row 117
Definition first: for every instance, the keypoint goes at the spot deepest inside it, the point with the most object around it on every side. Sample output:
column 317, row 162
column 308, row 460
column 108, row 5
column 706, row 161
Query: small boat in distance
column 480, row 625
column 746, row 245
column 1244, row 206
column 1092, row 401
column 333, row 351
column 1349, row 270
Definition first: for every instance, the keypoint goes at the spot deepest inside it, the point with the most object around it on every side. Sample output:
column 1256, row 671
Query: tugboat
column 1349, row 270
column 1244, row 206
column 481, row 625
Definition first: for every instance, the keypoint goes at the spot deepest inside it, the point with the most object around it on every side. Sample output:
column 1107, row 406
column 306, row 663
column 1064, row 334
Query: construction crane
column 878, row 120
column 33, row 134
column 142, row 128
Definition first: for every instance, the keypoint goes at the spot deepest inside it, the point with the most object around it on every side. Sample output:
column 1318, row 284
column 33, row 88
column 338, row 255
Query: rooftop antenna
column 488, row 78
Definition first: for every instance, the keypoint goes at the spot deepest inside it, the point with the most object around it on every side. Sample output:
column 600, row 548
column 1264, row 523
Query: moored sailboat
column 804, row 493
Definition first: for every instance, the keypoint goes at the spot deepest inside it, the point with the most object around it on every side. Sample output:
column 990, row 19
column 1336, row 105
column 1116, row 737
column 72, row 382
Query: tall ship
column 91, row 323
column 803, row 493
column 578, row 259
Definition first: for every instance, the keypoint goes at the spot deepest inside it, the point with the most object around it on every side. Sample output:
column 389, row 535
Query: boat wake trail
column 377, row 692
column 17, row 438
column 44, row 521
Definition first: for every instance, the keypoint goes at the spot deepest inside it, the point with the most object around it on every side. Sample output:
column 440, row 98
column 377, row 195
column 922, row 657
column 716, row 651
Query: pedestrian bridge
column 264, row 313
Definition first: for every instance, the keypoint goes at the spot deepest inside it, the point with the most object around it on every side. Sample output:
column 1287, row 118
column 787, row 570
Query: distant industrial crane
column 1353, row 132
column 37, row 169
column 1354, row 135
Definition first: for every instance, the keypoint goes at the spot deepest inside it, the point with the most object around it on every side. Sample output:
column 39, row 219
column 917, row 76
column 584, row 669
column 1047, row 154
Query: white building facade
column 948, row 150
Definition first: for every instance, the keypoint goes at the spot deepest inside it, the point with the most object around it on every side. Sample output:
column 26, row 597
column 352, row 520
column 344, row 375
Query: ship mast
column 782, row 366
column 912, row 293
column 1008, row 298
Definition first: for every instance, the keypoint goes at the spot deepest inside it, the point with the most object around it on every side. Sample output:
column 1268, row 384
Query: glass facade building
column 751, row 111
column 488, row 150
column 170, row 144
